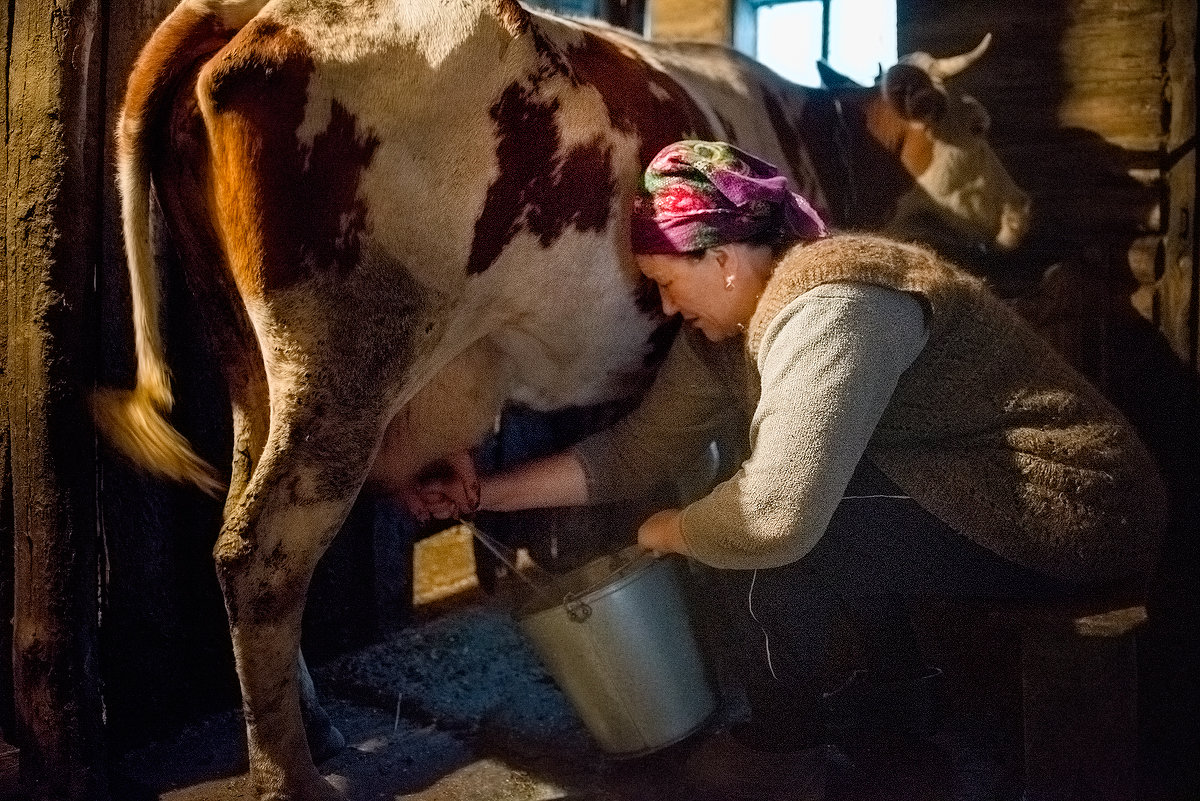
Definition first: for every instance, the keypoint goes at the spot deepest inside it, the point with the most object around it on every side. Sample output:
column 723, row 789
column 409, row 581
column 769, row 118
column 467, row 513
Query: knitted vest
column 989, row 429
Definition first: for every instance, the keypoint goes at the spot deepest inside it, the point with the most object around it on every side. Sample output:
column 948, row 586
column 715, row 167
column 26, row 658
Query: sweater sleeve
column 829, row 363
column 667, row 436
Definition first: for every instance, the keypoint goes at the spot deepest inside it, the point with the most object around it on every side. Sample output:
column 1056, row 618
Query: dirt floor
column 458, row 708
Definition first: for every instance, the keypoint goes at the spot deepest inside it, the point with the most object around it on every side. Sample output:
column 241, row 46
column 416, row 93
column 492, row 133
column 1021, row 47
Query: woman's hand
column 451, row 489
column 662, row 532
column 447, row 490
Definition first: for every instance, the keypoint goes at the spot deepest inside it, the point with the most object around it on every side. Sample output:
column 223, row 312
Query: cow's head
column 940, row 138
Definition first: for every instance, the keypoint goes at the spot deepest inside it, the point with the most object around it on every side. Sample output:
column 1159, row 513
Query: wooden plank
column 1179, row 293
column 6, row 531
column 51, row 228
column 708, row 21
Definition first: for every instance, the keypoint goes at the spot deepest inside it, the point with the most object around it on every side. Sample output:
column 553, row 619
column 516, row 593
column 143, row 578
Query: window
column 856, row 37
column 576, row 8
column 622, row 13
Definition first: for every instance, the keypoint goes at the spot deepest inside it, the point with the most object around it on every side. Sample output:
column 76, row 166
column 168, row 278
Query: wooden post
column 1179, row 293
column 8, row 764
column 51, row 230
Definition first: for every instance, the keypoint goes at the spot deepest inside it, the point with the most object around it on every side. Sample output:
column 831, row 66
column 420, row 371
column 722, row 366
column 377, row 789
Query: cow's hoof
column 324, row 740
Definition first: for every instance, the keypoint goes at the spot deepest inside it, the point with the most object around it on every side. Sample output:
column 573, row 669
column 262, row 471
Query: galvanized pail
column 619, row 644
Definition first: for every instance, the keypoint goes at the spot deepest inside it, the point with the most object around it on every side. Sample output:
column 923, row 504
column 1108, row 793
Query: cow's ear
column 913, row 93
column 832, row 79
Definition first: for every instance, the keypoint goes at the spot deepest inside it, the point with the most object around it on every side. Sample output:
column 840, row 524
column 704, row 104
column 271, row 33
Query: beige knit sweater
column 989, row 429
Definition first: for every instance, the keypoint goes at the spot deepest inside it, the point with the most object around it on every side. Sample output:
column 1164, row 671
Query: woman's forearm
column 555, row 480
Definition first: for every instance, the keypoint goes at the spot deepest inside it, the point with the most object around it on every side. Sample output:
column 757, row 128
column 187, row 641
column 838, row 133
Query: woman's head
column 697, row 195
column 707, row 227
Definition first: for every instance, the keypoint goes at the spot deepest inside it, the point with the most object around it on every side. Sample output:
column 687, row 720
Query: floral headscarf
column 699, row 195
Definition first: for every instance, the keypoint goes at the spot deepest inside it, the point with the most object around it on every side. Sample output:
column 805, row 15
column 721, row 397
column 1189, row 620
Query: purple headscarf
column 700, row 195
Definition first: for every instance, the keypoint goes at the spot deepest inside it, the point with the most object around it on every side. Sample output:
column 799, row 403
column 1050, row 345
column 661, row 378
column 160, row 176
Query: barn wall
column 51, row 229
column 699, row 20
column 1093, row 105
column 6, row 520
column 1179, row 307
column 1077, row 91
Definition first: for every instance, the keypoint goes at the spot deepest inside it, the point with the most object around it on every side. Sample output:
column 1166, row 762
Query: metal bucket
column 620, row 646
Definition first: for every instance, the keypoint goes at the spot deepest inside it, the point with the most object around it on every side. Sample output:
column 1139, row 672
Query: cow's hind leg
column 251, row 423
column 296, row 499
column 324, row 740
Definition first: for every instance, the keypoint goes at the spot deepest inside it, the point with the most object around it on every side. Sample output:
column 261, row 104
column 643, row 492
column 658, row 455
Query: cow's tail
column 135, row 421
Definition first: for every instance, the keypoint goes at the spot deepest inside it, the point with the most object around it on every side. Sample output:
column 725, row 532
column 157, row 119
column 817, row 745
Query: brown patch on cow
column 512, row 17
column 909, row 143
column 540, row 187
column 631, row 90
column 285, row 209
column 917, row 151
column 182, row 178
column 550, row 63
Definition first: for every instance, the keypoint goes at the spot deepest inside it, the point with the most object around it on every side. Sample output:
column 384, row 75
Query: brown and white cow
column 401, row 214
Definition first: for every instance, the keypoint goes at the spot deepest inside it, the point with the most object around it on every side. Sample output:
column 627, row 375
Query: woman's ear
column 727, row 262
column 723, row 257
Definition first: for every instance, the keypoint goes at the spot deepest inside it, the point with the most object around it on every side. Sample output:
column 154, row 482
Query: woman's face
column 711, row 292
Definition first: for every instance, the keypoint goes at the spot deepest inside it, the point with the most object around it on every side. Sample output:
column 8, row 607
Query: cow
column 400, row 215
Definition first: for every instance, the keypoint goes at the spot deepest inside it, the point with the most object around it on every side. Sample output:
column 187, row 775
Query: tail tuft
column 135, row 424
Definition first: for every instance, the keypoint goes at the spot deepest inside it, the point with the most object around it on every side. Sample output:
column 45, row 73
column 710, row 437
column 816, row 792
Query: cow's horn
column 942, row 68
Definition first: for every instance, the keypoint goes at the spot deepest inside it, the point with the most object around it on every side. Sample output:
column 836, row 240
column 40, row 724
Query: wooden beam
column 6, row 531
column 51, row 228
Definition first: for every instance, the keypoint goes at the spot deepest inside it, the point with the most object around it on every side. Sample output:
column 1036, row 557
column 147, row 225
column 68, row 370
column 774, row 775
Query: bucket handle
column 498, row 551
column 578, row 610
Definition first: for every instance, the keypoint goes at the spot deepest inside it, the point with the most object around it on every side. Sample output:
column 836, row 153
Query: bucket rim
column 639, row 560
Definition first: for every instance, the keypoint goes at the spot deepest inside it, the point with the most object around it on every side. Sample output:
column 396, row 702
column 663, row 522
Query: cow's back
column 743, row 101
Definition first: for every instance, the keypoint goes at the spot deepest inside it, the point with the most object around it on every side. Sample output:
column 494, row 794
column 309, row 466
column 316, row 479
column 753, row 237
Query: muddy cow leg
column 293, row 505
column 324, row 740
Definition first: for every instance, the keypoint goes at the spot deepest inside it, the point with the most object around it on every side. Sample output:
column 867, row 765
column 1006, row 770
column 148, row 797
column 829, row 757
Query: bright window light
column 862, row 37
column 789, row 40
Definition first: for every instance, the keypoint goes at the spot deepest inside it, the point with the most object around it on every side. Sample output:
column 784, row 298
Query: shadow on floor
column 459, row 708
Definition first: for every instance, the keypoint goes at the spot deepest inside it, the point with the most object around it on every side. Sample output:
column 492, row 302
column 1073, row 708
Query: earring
column 729, row 282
